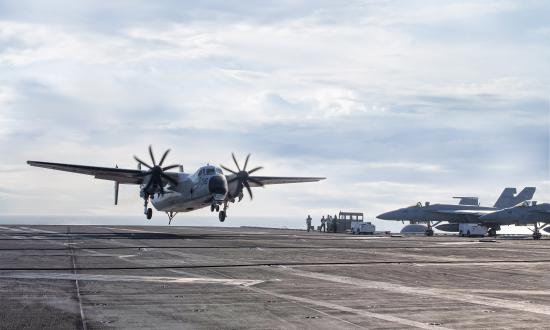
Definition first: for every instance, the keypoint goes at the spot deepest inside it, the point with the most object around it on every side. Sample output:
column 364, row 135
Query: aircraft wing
column 106, row 173
column 265, row 180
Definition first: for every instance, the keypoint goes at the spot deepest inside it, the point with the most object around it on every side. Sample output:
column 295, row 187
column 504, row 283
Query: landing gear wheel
column 212, row 207
column 492, row 233
column 468, row 234
column 222, row 216
column 537, row 235
column 429, row 232
column 217, row 208
column 149, row 213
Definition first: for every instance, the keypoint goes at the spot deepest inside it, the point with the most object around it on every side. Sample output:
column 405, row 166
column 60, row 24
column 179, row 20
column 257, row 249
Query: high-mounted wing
column 246, row 180
column 106, row 173
column 265, row 180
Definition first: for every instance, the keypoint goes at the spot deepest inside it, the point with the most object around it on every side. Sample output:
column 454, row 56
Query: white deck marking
column 325, row 304
column 40, row 230
column 132, row 278
column 11, row 229
column 136, row 230
column 447, row 294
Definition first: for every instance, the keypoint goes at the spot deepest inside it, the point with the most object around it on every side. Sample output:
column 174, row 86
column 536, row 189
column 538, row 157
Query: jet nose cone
column 217, row 185
column 386, row 216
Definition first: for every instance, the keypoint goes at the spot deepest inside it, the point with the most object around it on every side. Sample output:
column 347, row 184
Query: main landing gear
column 492, row 232
column 223, row 213
column 147, row 211
column 536, row 232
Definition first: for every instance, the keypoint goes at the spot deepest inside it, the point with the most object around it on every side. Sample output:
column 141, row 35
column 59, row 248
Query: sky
column 393, row 101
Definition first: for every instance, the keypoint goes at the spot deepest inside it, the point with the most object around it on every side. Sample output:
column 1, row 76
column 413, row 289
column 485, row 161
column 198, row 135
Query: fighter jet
column 174, row 192
column 464, row 212
column 523, row 214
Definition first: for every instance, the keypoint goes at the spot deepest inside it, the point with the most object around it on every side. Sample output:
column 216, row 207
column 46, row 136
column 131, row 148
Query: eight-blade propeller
column 243, row 176
column 156, row 173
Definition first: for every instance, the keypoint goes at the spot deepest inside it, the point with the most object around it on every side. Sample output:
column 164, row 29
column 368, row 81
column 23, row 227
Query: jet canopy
column 526, row 203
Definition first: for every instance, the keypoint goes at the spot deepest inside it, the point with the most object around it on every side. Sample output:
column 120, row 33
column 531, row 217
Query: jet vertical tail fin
column 508, row 198
column 524, row 195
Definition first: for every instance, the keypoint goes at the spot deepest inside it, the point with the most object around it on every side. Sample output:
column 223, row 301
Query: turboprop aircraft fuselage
column 207, row 186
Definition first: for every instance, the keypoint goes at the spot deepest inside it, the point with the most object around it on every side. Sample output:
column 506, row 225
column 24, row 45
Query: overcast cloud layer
column 394, row 102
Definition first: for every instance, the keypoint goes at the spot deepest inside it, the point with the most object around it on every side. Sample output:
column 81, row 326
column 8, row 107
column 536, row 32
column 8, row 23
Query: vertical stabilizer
column 506, row 198
column 526, row 194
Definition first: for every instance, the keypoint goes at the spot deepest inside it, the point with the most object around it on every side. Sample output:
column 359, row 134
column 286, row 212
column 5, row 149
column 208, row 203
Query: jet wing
column 265, row 180
column 106, row 173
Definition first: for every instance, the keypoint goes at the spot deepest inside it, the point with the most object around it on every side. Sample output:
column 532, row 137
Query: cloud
column 393, row 101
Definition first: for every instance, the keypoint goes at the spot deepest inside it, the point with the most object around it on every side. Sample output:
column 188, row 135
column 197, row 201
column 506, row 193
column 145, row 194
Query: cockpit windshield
column 211, row 170
column 525, row 204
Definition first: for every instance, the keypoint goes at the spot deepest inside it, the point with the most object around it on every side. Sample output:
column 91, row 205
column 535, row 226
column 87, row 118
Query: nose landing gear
column 429, row 231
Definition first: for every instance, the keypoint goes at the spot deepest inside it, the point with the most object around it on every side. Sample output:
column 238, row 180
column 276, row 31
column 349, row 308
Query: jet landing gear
column 429, row 231
column 536, row 232
column 493, row 231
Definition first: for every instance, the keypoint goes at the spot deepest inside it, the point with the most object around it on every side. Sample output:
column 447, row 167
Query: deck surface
column 101, row 277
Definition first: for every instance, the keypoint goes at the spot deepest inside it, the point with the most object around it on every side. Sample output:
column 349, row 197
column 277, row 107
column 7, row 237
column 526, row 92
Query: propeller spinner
column 156, row 173
column 243, row 176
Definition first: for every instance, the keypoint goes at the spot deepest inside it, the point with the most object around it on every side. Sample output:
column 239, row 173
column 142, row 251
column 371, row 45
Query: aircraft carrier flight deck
column 103, row 277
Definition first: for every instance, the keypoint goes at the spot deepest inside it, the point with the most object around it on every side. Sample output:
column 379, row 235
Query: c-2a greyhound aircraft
column 174, row 192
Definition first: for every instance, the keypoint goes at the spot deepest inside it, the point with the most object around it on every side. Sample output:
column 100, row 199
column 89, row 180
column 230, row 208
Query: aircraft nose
column 217, row 185
column 387, row 216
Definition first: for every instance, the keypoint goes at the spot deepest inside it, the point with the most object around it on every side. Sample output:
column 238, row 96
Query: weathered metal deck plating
column 93, row 277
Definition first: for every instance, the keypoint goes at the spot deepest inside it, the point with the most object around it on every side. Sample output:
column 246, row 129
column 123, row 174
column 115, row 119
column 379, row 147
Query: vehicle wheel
column 222, row 216
column 468, row 233
column 149, row 213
